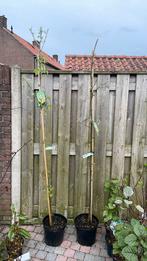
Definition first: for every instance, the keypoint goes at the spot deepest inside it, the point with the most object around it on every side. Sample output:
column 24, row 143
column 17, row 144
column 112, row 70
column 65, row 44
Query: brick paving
column 69, row 250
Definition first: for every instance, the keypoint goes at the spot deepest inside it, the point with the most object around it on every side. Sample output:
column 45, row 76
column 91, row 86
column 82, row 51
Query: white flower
column 128, row 202
column 139, row 208
column 128, row 191
column 118, row 201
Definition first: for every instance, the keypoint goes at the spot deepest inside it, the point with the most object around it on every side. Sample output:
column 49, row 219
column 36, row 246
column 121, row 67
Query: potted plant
column 53, row 224
column 86, row 223
column 14, row 239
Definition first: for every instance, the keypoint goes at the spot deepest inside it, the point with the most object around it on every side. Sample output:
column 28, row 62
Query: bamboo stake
column 91, row 132
column 45, row 165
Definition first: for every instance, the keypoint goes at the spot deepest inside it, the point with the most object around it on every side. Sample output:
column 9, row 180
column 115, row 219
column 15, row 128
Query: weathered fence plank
column 27, row 137
column 63, row 144
column 47, row 83
column 81, row 173
column 138, row 141
column 120, row 126
column 102, row 113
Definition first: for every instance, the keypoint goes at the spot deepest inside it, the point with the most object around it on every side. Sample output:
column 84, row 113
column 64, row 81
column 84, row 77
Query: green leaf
column 144, row 258
column 111, row 206
column 41, row 99
column 140, row 230
column 11, row 235
column 131, row 240
column 24, row 233
column 134, row 222
column 128, row 191
column 130, row 253
column 143, row 243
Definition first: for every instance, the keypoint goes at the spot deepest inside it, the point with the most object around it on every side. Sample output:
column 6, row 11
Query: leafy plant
column 131, row 241
column 121, row 203
column 15, row 229
column 115, row 199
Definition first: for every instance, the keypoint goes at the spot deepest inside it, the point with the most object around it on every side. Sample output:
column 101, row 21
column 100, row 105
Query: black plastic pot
column 86, row 232
column 109, row 249
column 53, row 235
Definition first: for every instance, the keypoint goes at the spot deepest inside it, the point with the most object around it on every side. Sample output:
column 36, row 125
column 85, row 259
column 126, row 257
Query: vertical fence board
column 137, row 159
column 36, row 157
column 120, row 126
column 47, row 84
column 63, row 143
column 27, row 136
column 81, row 174
column 130, row 117
column 102, row 109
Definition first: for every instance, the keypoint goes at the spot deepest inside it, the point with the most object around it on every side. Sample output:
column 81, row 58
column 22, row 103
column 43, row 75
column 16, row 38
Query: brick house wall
column 5, row 143
column 12, row 52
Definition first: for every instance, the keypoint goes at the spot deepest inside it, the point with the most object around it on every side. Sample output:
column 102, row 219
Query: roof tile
column 106, row 63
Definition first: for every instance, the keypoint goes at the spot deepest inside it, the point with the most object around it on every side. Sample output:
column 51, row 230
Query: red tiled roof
column 35, row 50
column 106, row 63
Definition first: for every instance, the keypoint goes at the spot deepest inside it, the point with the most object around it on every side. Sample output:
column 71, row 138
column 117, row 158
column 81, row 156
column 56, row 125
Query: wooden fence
column 121, row 148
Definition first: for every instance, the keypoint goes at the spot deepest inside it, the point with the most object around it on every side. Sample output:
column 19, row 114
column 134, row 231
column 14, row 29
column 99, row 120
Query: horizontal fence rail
column 120, row 104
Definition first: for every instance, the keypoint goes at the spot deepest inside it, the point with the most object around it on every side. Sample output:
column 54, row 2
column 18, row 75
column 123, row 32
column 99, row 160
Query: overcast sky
column 74, row 25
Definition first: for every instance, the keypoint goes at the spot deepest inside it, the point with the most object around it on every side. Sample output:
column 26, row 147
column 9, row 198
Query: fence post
column 16, row 136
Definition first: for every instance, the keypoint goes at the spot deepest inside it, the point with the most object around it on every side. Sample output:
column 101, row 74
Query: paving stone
column 40, row 246
column 71, row 259
column 30, row 228
column 108, row 259
column 35, row 259
column 5, row 230
column 59, row 250
column 32, row 251
column 100, row 244
column 79, row 255
column 66, row 244
column 69, row 252
column 41, row 254
column 38, row 229
column 1, row 228
column 94, row 251
column 25, row 249
column 75, row 246
column 33, row 235
column 88, row 257
column 103, row 253
column 70, row 230
column 30, row 243
column 50, row 249
column 99, row 258
column 61, row 258
column 66, row 236
column 51, row 257
column 39, row 237
column 72, row 238
column 85, row 249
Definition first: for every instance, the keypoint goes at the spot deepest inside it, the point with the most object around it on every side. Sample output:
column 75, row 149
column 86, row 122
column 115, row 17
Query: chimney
column 3, row 21
column 36, row 43
column 55, row 56
column 11, row 29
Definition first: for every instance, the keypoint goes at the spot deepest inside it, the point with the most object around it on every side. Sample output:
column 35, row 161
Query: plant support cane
column 45, row 165
column 86, row 223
